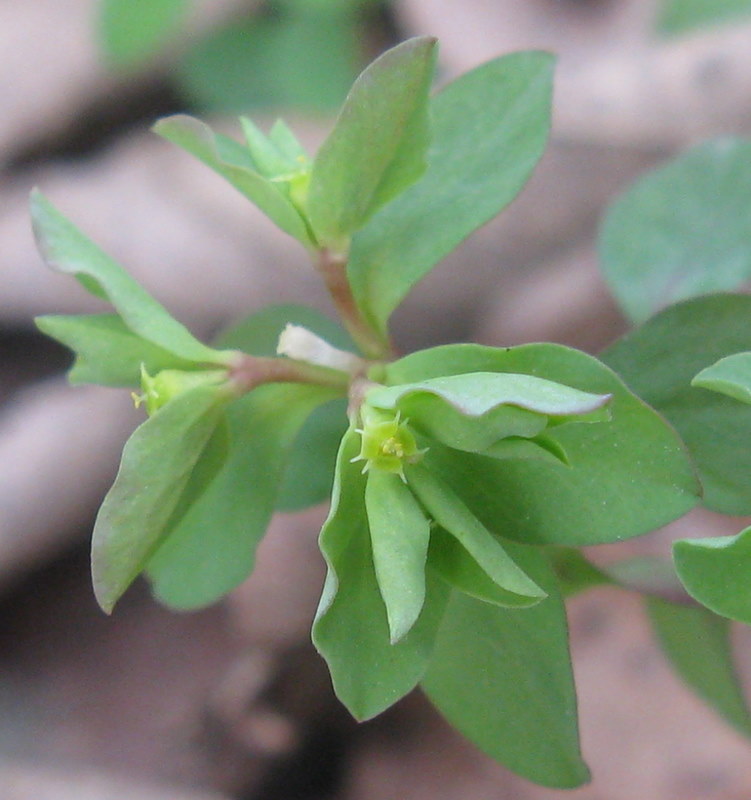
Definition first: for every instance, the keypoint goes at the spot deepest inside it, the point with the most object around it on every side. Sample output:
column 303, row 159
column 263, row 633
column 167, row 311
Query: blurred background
column 232, row 702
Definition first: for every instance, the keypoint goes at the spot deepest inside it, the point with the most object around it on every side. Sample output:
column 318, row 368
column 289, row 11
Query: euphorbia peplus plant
column 462, row 478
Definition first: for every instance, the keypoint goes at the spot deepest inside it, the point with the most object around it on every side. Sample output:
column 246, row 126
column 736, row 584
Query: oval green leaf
column 715, row 571
column 659, row 361
column 351, row 630
column 681, row 231
column 503, row 678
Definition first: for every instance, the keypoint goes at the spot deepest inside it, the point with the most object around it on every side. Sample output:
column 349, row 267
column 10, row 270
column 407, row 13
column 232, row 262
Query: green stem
column 333, row 269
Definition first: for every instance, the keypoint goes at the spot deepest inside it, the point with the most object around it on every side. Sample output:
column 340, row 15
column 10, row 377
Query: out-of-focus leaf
column 681, row 231
column 730, row 376
column 107, row 352
column 378, row 145
column 221, row 156
column 131, row 30
column 626, row 477
column 697, row 644
column 659, row 360
column 683, row 16
column 351, row 630
column 513, row 587
column 67, row 250
column 297, row 57
column 156, row 465
column 715, row 571
column 489, row 128
column 399, row 534
column 503, row 678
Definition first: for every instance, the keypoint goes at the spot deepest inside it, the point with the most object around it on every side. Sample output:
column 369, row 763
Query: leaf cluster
column 463, row 479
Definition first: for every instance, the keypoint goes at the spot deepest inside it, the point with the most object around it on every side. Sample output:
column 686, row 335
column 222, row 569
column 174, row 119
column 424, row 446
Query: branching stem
column 248, row 372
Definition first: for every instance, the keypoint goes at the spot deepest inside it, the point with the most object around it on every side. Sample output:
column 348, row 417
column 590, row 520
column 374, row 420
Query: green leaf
column 540, row 447
column 67, row 250
column 473, row 411
column 477, row 393
column 730, row 375
column 131, row 30
column 309, row 472
column 378, row 145
column 697, row 644
column 682, row 16
column 220, row 154
column 294, row 57
column 351, row 629
column 658, row 362
column 503, row 678
column 286, row 142
column 513, row 587
column 399, row 534
column 575, row 572
column 489, row 129
column 309, row 475
column 270, row 161
column 107, row 353
column 715, row 571
column 212, row 547
column 681, row 231
column 156, row 465
column 626, row 477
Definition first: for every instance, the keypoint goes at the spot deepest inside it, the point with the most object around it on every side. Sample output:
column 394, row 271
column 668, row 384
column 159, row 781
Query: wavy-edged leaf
column 513, row 587
column 156, row 466
column 730, row 375
column 488, row 130
column 659, row 360
column 503, row 678
column 472, row 411
column 351, row 630
column 399, row 535
column 697, row 644
column 715, row 571
column 378, row 145
column 107, row 352
column 681, row 231
column 220, row 154
column 67, row 250
column 626, row 477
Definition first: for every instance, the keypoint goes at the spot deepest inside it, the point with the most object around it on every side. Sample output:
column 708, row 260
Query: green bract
column 462, row 478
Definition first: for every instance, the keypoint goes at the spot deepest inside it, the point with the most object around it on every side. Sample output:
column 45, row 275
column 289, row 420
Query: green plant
column 464, row 479
column 282, row 53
